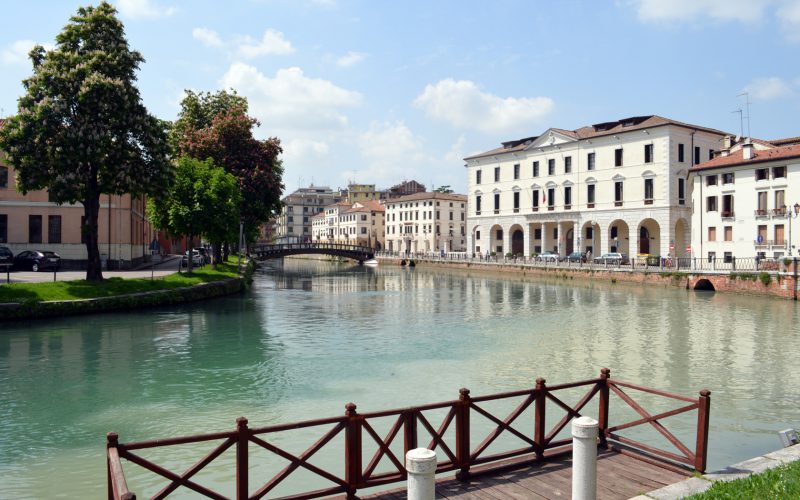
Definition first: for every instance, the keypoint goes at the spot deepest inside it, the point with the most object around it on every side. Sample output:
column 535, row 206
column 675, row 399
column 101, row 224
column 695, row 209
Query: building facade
column 426, row 222
column 361, row 223
column 294, row 221
column 746, row 201
column 405, row 188
column 615, row 186
column 32, row 222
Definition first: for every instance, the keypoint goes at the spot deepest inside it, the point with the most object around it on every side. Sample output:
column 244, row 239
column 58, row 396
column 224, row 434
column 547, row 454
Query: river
column 311, row 336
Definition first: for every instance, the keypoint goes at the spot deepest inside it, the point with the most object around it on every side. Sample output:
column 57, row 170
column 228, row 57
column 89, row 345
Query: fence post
column 421, row 469
column 112, row 440
column 462, row 433
column 242, row 440
column 352, row 450
column 539, row 417
column 584, row 458
column 602, row 413
column 701, row 451
column 409, row 431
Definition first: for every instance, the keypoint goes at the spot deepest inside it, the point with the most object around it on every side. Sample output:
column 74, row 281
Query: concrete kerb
column 695, row 485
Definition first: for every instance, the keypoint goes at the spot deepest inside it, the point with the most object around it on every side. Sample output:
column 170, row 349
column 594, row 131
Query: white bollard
column 584, row 458
column 421, row 467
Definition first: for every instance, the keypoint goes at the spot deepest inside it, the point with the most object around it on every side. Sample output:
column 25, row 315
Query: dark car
column 6, row 257
column 35, row 260
column 577, row 257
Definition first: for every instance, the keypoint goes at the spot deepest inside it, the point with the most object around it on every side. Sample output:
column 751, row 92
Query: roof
column 785, row 142
column 736, row 158
column 431, row 196
column 366, row 206
column 608, row 128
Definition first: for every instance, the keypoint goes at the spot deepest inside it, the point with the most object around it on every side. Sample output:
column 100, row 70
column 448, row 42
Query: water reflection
column 311, row 336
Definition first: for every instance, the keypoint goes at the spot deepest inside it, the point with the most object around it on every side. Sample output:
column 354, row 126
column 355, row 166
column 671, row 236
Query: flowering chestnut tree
column 81, row 128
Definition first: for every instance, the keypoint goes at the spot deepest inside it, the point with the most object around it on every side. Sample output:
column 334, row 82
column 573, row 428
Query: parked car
column 613, row 258
column 35, row 260
column 548, row 256
column 6, row 257
column 577, row 257
column 197, row 259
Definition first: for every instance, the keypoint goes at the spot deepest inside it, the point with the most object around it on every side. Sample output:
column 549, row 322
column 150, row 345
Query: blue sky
column 386, row 91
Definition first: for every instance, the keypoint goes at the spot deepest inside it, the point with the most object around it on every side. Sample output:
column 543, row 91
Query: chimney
column 726, row 142
column 747, row 149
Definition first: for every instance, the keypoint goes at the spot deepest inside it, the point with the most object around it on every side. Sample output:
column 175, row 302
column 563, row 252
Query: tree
column 217, row 126
column 81, row 128
column 202, row 201
column 443, row 189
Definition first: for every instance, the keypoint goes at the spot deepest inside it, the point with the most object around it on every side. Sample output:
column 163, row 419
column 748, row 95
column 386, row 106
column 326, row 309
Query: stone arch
column 648, row 237
column 590, row 237
column 619, row 237
column 496, row 239
column 476, row 239
column 704, row 284
column 517, row 240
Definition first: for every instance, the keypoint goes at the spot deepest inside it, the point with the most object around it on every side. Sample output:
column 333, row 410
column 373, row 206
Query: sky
column 379, row 92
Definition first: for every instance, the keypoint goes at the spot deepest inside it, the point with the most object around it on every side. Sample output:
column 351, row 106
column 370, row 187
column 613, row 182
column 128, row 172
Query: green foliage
column 217, row 126
column 203, row 200
column 443, row 189
column 742, row 276
column 775, row 484
column 81, row 128
column 765, row 278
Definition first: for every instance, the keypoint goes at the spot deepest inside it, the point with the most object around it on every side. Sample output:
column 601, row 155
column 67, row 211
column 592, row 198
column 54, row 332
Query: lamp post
column 791, row 214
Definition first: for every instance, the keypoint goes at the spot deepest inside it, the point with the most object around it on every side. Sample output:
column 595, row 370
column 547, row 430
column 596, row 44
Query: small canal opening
column 704, row 284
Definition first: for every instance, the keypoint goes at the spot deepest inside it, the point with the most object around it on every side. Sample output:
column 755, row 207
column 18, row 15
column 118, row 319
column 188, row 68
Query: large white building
column 426, row 222
column 360, row 223
column 746, row 200
column 294, row 221
column 615, row 186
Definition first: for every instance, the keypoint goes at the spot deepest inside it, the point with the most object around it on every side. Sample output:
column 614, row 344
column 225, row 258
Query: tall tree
column 217, row 126
column 81, row 128
column 202, row 201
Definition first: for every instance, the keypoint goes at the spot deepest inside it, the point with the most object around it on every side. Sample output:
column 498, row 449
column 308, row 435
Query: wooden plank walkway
column 618, row 477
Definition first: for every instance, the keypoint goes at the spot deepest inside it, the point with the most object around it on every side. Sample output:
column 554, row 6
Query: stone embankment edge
column 155, row 298
column 695, row 485
column 741, row 283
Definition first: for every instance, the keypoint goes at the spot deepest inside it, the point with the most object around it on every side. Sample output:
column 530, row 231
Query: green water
column 309, row 337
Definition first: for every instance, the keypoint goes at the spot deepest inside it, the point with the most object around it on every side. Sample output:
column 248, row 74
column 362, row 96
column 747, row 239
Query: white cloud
column 392, row 153
column 291, row 100
column 143, row 9
column 350, row 59
column 456, row 154
column 464, row 105
column 687, row 10
column 17, row 52
column 272, row 43
column 789, row 15
column 765, row 89
column 303, row 151
column 207, row 37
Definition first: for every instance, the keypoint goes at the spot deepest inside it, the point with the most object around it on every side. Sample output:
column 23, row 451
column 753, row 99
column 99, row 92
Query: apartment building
column 405, row 188
column 294, row 221
column 614, row 186
column 746, row 200
column 33, row 222
column 426, row 222
column 361, row 223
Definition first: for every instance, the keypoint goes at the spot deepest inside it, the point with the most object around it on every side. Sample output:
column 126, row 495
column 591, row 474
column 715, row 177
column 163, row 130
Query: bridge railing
column 316, row 246
column 452, row 428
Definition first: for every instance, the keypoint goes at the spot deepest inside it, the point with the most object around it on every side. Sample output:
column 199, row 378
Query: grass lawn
column 82, row 289
column 778, row 483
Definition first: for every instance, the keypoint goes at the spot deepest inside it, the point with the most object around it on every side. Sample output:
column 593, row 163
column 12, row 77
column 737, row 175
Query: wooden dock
column 618, row 477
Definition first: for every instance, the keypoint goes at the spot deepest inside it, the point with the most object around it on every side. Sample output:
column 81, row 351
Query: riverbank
column 751, row 283
column 19, row 301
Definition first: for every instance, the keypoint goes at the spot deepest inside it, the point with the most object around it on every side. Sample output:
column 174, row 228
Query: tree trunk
column 217, row 246
column 94, row 267
column 190, row 257
column 226, row 251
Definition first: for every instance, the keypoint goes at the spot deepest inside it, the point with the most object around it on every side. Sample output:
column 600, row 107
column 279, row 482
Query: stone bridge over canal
column 359, row 253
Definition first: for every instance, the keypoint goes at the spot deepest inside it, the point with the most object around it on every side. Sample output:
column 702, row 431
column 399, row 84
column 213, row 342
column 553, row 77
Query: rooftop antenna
column 741, row 121
column 747, row 101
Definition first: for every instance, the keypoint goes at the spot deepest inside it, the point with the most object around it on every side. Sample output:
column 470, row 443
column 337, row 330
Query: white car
column 197, row 259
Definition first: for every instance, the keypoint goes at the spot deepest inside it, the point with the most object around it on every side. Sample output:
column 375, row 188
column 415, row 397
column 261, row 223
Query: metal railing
column 463, row 448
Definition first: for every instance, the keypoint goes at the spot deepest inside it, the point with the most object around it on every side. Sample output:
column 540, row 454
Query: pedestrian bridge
column 354, row 252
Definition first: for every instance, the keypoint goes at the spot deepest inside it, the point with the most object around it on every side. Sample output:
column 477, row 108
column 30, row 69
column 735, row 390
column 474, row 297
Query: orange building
column 33, row 222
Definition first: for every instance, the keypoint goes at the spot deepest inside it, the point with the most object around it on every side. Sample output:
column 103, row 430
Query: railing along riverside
column 634, row 264
column 466, row 451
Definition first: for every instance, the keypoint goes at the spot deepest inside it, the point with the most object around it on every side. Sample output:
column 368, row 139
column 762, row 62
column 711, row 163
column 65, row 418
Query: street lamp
column 791, row 215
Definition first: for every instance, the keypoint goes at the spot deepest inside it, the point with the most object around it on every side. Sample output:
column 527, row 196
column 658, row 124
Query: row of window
column 779, row 205
column 590, row 162
column 393, row 217
column 762, row 237
column 548, row 196
column 414, row 229
column 290, row 209
column 727, row 205
column 414, row 205
column 35, row 229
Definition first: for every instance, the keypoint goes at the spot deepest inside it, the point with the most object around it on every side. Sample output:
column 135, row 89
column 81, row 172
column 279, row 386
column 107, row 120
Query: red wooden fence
column 467, row 452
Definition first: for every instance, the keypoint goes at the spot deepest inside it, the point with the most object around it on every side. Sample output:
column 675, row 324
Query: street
column 168, row 266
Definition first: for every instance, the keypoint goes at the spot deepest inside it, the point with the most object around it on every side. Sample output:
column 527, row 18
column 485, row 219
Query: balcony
column 648, row 202
column 760, row 212
column 764, row 243
column 779, row 243
column 727, row 214
column 779, row 212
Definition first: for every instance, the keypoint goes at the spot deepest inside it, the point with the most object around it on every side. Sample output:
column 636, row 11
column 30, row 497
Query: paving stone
column 743, row 469
column 683, row 489
column 785, row 455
